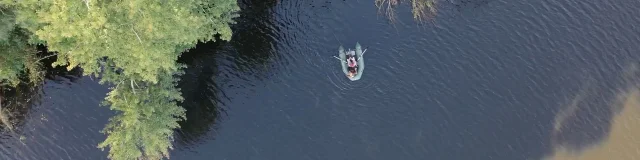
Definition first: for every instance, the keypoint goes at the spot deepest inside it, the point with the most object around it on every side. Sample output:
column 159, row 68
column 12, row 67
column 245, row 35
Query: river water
column 485, row 80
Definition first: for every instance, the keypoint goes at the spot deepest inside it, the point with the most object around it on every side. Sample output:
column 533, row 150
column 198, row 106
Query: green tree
column 16, row 56
column 133, row 45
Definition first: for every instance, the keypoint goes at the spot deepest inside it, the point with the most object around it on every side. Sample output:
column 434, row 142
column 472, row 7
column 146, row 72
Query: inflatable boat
column 352, row 62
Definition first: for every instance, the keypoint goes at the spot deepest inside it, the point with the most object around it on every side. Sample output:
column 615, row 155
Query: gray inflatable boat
column 353, row 73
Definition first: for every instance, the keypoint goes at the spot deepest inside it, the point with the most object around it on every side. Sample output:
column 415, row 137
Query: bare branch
column 133, row 88
column 134, row 31
column 55, row 54
column 86, row 2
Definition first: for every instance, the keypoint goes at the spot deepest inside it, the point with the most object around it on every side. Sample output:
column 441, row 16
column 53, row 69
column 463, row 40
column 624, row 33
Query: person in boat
column 353, row 64
column 352, row 72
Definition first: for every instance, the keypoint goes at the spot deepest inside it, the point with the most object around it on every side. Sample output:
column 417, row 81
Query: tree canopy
column 144, row 37
column 133, row 45
column 16, row 56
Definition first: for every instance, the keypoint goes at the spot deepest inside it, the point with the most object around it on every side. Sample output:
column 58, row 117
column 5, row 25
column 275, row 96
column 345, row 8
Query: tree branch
column 133, row 88
column 134, row 31
column 55, row 54
column 86, row 2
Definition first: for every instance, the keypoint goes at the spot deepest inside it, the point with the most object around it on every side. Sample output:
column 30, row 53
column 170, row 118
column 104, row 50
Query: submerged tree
column 134, row 46
column 421, row 9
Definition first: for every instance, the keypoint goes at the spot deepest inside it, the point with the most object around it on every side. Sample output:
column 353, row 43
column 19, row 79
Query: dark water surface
column 489, row 79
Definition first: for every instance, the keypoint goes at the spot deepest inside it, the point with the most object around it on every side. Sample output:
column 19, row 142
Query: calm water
column 489, row 79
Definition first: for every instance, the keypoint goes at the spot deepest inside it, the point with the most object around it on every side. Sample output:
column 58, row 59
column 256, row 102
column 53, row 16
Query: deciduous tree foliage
column 134, row 45
column 149, row 113
column 7, row 22
column 145, row 37
column 16, row 56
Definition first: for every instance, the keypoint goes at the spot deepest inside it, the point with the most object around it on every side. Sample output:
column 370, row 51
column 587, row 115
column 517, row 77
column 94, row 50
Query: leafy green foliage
column 134, row 44
column 11, row 62
column 144, row 37
column 149, row 113
column 16, row 56
column 7, row 23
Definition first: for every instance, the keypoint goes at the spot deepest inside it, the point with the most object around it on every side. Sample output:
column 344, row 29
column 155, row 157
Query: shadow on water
column 253, row 40
column 595, row 122
column 16, row 102
column 212, row 66
column 200, row 92
column 59, row 73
